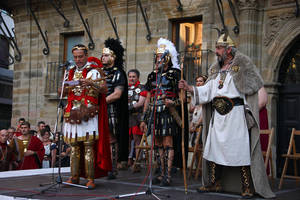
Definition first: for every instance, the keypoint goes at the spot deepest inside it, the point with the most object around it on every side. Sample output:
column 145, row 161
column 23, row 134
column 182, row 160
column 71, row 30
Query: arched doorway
column 288, row 115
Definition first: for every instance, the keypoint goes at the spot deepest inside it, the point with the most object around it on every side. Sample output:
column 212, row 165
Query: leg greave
column 114, row 155
column 169, row 157
column 159, row 158
column 75, row 160
column 215, row 173
column 89, row 159
column 246, row 181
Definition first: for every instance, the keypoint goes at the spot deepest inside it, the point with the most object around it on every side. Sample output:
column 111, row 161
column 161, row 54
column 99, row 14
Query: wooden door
column 288, row 118
column 289, row 104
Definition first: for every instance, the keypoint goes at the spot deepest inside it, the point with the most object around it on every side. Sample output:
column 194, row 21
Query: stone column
column 248, row 28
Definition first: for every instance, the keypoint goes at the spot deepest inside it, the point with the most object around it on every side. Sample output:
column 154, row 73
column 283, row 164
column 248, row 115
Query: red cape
column 103, row 156
column 31, row 162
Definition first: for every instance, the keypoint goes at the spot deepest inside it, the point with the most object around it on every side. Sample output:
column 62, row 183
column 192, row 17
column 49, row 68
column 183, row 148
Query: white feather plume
column 171, row 48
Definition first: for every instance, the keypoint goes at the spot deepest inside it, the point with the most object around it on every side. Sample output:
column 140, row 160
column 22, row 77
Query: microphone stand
column 60, row 107
column 149, row 190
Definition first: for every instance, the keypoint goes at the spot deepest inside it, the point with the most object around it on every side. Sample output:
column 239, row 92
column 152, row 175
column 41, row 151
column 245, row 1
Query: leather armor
column 134, row 93
column 168, row 88
column 114, row 78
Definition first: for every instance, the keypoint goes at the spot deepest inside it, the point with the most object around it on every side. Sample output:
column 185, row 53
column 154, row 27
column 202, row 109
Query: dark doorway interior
column 289, row 105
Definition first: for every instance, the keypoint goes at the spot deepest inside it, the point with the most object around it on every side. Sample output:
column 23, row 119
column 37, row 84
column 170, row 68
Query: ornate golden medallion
column 235, row 68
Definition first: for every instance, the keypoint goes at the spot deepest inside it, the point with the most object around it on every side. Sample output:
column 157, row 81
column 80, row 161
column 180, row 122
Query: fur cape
column 248, row 81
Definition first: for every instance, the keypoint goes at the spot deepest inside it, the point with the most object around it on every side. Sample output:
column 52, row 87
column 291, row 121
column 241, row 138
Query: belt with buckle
column 224, row 105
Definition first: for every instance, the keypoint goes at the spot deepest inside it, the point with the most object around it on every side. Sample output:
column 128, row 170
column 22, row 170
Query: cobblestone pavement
column 126, row 183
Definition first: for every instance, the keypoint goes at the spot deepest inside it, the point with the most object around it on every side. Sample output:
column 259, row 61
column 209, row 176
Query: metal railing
column 53, row 78
column 196, row 62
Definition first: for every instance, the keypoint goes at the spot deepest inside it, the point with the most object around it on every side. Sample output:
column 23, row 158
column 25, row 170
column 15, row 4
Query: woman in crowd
column 196, row 120
column 65, row 152
column 47, row 144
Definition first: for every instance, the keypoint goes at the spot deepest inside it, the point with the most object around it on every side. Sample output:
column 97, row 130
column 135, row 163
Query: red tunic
column 33, row 161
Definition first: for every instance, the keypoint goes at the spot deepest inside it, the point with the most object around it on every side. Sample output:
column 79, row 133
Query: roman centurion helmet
column 225, row 41
column 164, row 45
column 115, row 49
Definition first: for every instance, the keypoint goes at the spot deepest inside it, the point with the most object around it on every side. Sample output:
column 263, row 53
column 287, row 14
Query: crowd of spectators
column 14, row 150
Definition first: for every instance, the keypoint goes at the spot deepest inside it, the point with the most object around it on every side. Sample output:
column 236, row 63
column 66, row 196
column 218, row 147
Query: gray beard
column 221, row 59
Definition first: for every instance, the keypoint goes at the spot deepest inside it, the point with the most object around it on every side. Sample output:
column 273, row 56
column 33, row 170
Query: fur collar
column 245, row 74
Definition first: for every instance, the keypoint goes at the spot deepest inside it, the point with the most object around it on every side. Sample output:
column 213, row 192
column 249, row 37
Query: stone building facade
column 268, row 32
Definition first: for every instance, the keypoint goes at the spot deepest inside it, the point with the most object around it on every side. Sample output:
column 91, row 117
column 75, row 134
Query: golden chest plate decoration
column 77, row 75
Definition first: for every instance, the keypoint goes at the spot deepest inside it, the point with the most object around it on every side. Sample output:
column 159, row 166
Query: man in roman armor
column 230, row 119
column 163, row 100
column 136, row 99
column 117, row 103
column 86, row 121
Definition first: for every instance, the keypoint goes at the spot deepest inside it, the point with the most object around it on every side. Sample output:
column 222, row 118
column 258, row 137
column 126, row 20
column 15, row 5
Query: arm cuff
column 196, row 96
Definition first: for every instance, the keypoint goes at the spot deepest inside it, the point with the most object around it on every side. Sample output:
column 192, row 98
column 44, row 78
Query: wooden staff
column 182, row 128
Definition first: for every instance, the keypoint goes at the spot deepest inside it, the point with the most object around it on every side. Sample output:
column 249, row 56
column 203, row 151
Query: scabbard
column 175, row 115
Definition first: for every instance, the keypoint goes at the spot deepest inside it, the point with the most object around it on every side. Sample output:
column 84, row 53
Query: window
column 290, row 68
column 54, row 73
column 187, row 37
column 70, row 40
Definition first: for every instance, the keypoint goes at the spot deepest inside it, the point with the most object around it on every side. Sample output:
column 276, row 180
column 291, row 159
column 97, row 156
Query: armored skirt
column 79, row 131
column 163, row 123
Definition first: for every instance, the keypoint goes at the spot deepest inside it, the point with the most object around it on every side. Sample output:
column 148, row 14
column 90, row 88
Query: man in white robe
column 231, row 133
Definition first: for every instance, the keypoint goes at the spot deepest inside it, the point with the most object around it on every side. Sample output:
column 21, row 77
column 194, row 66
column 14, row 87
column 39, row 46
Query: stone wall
column 29, row 99
column 266, row 30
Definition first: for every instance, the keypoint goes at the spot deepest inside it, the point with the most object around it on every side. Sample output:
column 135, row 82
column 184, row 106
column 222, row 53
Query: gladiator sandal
column 130, row 156
column 169, row 155
column 89, row 163
column 160, row 162
column 112, row 174
column 214, row 179
column 247, row 192
column 75, row 163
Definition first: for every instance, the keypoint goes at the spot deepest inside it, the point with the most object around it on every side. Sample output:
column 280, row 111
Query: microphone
column 164, row 55
column 66, row 64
